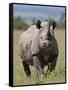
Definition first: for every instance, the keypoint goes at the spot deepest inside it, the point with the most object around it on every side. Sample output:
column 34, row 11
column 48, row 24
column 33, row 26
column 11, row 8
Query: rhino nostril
column 44, row 44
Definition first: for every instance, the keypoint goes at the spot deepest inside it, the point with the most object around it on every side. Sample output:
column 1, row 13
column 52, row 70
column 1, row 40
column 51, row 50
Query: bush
column 60, row 23
column 20, row 23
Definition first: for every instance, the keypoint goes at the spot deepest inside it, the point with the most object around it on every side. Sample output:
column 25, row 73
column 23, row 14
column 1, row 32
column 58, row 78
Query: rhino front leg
column 52, row 63
column 26, row 68
column 37, row 65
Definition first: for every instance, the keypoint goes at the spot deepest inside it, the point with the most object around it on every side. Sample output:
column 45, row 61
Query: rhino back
column 25, row 42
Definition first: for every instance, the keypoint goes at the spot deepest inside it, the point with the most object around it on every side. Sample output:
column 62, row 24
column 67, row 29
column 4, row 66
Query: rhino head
column 44, row 35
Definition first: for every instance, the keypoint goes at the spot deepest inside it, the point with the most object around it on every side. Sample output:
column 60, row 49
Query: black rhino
column 38, row 47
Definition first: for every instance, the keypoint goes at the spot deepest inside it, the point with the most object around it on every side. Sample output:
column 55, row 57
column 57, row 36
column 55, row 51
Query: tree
column 19, row 23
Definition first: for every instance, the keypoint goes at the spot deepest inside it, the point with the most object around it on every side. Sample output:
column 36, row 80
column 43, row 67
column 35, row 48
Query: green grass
column 56, row 76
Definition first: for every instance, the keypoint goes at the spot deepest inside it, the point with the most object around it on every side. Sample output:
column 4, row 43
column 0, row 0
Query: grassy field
column 57, row 76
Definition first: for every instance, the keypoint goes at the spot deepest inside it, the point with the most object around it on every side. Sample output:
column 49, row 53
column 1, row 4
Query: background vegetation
column 56, row 76
column 21, row 24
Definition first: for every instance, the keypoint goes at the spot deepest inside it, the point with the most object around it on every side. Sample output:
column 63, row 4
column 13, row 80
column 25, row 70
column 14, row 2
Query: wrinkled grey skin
column 38, row 47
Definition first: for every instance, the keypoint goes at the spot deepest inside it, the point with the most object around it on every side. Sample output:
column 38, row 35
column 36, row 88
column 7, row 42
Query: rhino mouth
column 47, row 49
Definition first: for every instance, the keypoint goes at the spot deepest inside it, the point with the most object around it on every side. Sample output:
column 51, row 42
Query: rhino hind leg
column 26, row 68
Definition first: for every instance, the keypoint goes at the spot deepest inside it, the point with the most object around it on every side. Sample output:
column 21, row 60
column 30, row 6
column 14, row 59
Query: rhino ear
column 38, row 24
column 54, row 24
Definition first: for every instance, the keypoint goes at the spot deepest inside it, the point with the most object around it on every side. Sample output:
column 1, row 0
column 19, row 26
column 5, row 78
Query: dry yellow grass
column 57, row 76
